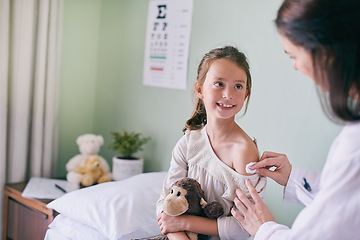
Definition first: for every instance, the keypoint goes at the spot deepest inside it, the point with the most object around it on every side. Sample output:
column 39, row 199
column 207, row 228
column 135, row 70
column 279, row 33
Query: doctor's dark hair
column 330, row 31
column 198, row 119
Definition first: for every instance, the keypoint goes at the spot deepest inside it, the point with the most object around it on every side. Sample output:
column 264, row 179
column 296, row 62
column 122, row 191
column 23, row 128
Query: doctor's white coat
column 333, row 205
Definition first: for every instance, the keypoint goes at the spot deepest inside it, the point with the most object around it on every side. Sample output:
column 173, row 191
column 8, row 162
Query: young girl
column 214, row 149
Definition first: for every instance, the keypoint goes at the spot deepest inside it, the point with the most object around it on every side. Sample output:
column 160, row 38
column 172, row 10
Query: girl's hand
column 254, row 214
column 169, row 224
column 279, row 161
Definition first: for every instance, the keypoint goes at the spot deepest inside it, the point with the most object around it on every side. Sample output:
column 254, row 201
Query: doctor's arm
column 301, row 185
column 270, row 160
column 253, row 215
column 327, row 216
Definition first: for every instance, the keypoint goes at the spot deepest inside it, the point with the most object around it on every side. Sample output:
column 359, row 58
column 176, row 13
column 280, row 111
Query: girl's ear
column 198, row 90
column 247, row 94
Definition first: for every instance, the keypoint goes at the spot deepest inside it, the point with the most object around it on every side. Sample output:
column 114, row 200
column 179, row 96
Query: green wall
column 79, row 66
column 102, row 90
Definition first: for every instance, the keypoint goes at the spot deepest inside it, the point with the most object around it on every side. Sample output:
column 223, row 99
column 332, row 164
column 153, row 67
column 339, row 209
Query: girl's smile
column 225, row 105
column 224, row 90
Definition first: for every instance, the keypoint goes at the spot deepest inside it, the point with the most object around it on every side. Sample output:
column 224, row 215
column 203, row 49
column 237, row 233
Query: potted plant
column 126, row 144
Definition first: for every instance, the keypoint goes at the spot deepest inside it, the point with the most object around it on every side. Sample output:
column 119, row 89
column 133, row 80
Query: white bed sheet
column 119, row 210
column 65, row 228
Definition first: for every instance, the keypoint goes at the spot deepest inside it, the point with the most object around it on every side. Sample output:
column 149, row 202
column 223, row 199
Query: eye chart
column 167, row 43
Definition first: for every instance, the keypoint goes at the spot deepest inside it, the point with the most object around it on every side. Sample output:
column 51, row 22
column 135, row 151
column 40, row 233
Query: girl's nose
column 227, row 94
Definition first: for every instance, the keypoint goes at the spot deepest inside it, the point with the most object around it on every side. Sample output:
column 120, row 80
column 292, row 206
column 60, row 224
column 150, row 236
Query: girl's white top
column 194, row 157
column 333, row 205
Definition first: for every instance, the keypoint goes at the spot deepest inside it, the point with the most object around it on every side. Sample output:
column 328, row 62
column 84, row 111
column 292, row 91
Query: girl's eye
column 219, row 84
column 238, row 86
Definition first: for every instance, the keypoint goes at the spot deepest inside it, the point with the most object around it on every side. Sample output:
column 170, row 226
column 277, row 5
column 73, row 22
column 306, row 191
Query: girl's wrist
column 185, row 223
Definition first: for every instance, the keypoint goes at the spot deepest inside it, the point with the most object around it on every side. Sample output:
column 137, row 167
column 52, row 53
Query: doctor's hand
column 269, row 160
column 254, row 214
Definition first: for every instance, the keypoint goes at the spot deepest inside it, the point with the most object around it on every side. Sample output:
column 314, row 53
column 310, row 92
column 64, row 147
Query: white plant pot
column 125, row 168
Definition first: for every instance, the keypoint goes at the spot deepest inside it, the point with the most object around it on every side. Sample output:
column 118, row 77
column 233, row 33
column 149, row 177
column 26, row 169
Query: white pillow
column 119, row 210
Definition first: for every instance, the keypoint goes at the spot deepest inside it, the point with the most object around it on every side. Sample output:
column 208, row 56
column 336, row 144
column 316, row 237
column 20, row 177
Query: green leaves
column 127, row 144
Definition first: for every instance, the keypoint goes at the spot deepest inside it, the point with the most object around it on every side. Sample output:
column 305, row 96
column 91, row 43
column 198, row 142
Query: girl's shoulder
column 242, row 140
column 194, row 133
column 190, row 136
column 245, row 150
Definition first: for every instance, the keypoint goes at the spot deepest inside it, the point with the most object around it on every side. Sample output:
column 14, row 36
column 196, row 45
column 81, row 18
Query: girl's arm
column 177, row 236
column 169, row 224
column 200, row 225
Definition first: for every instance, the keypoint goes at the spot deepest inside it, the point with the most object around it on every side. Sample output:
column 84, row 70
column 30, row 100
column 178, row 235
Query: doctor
column 322, row 37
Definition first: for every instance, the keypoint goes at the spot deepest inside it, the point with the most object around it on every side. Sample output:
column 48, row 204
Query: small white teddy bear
column 89, row 144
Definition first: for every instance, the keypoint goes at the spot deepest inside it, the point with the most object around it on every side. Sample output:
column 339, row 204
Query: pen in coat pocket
column 307, row 185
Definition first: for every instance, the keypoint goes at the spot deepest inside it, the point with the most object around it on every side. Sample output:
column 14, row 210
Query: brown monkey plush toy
column 187, row 197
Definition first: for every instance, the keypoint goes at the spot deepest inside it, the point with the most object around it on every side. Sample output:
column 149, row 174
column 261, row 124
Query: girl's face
column 224, row 90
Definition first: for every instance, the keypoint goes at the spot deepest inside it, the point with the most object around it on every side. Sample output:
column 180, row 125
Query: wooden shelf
column 24, row 218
